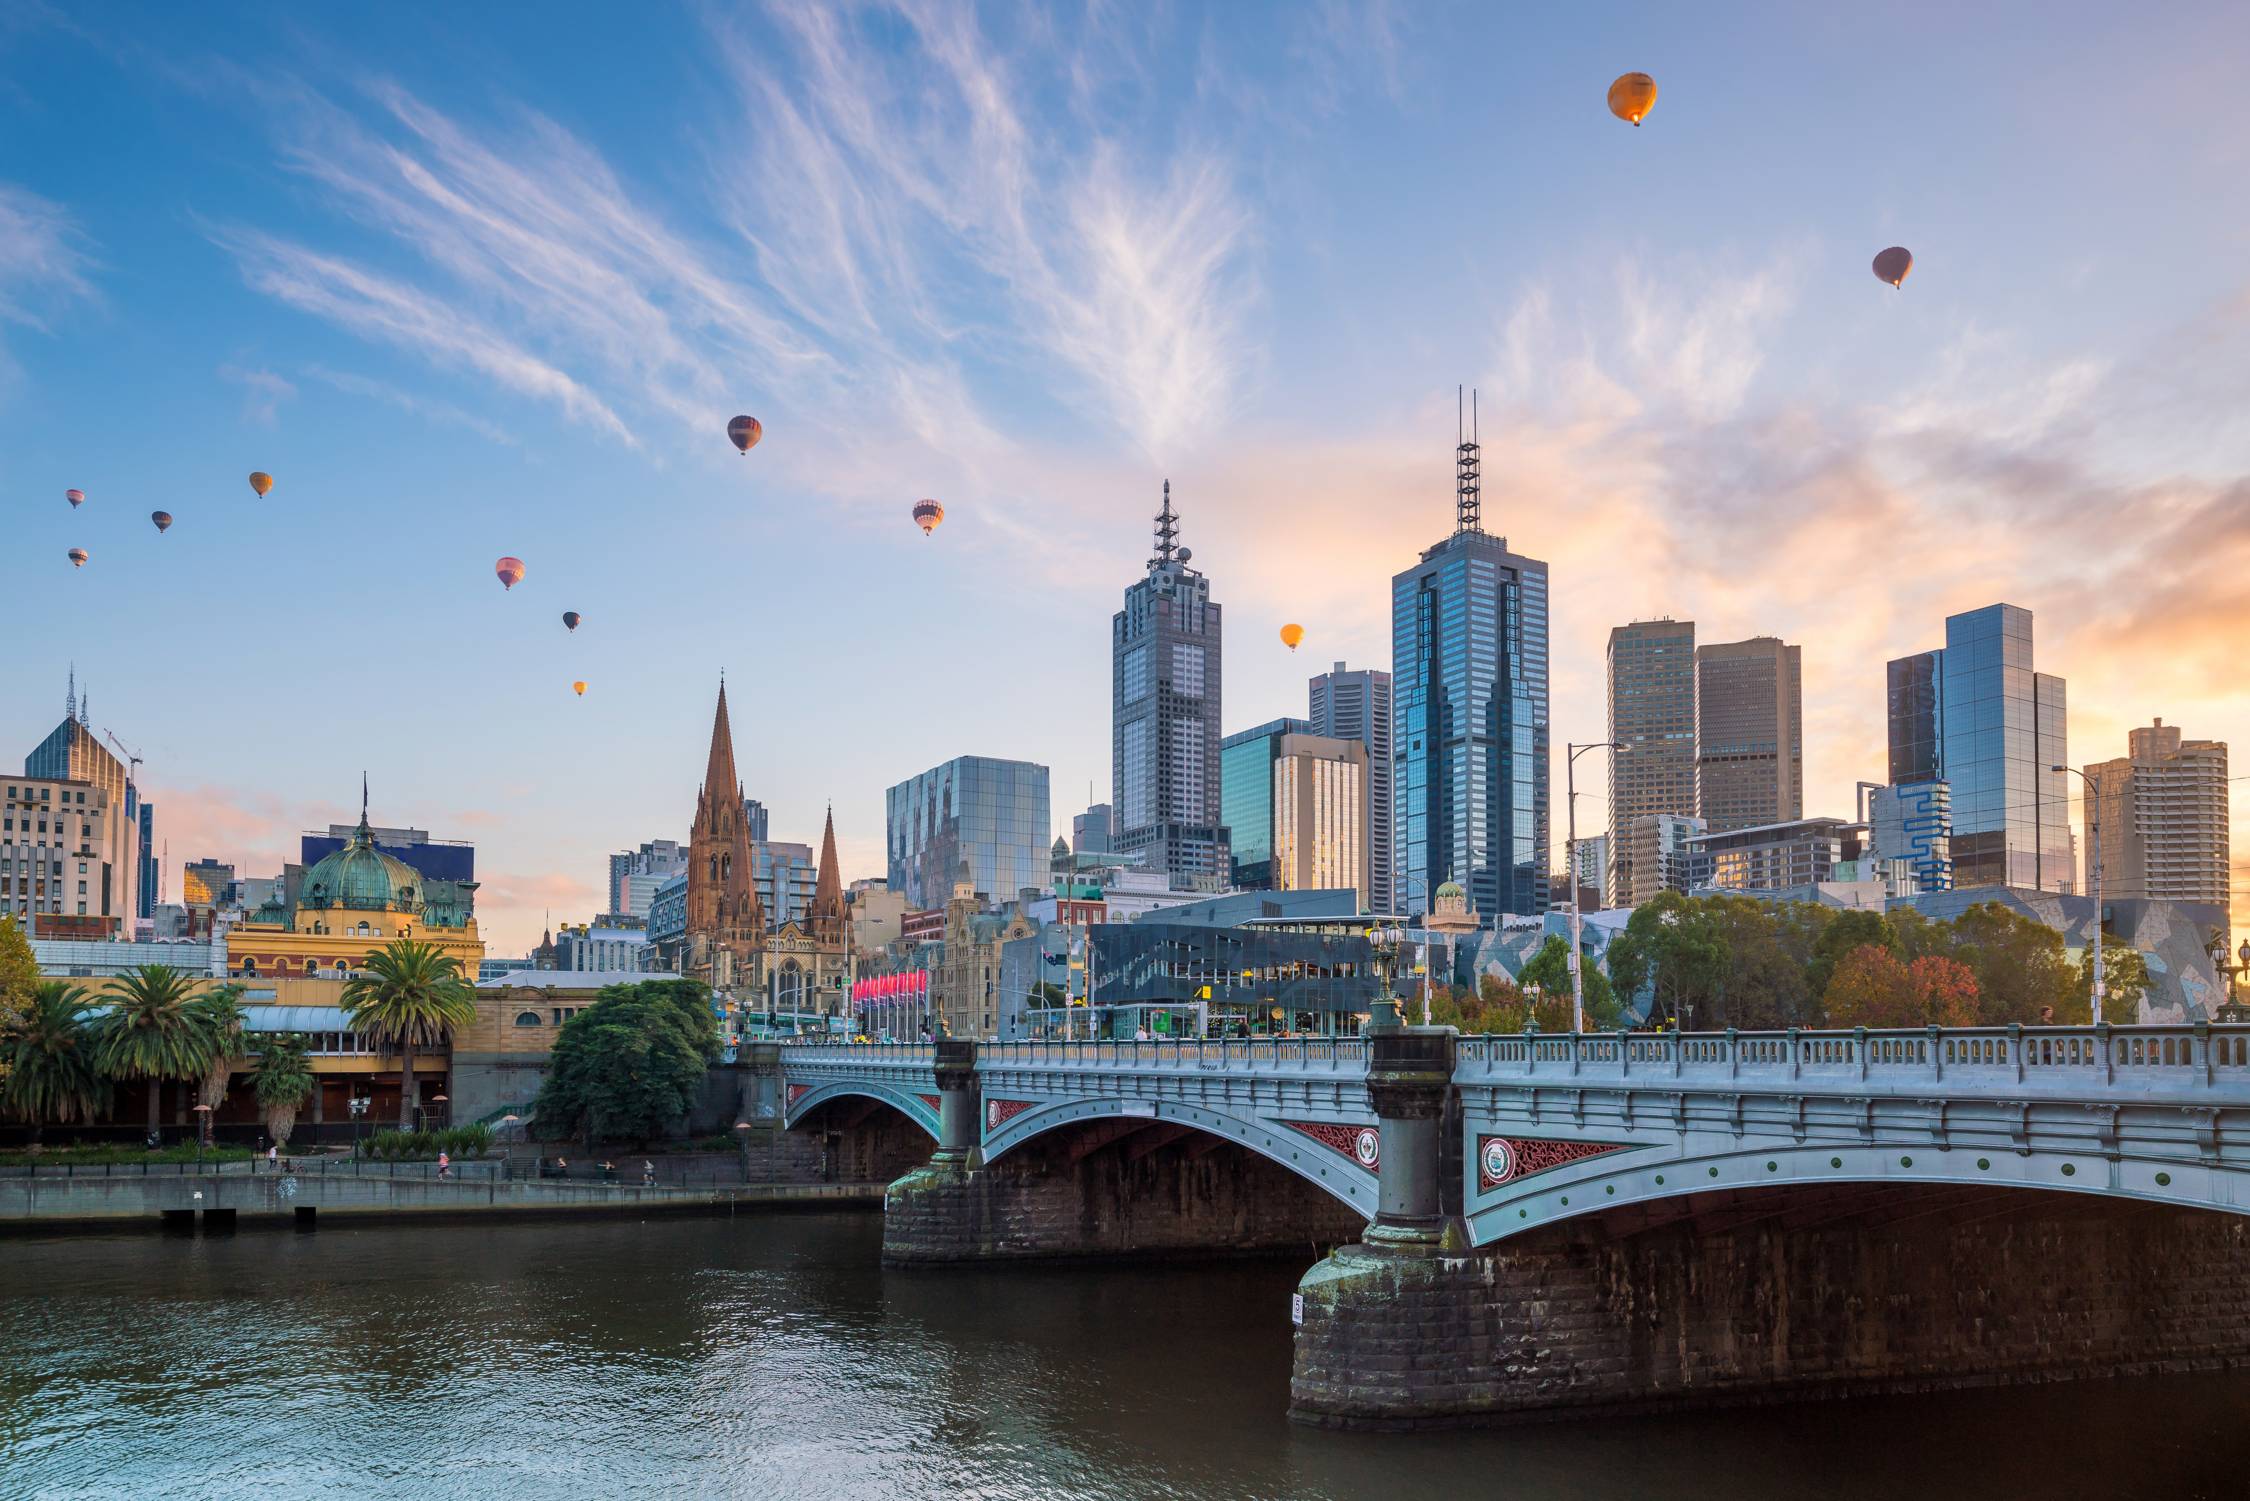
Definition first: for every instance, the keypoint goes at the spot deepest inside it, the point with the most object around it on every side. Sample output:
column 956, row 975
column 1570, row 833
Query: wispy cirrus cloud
column 441, row 412
column 44, row 264
column 393, row 312
column 263, row 392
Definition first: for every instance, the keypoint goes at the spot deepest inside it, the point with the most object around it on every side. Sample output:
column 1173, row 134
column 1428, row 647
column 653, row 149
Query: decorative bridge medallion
column 1360, row 1143
column 998, row 1113
column 798, row 1092
column 1504, row 1159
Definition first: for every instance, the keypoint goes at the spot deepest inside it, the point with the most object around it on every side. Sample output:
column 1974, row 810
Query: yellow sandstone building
column 351, row 903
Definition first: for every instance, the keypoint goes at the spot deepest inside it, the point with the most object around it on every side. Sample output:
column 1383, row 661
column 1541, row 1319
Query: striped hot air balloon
column 928, row 514
column 509, row 571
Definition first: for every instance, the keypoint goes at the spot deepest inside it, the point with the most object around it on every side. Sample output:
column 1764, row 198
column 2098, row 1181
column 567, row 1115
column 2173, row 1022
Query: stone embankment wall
column 1745, row 1302
column 1135, row 1196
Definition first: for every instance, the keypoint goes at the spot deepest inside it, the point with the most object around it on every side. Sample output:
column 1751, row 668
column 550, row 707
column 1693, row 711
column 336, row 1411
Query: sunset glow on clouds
column 463, row 300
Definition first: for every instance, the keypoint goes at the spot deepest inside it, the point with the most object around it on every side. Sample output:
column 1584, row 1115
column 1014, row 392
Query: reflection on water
column 773, row 1356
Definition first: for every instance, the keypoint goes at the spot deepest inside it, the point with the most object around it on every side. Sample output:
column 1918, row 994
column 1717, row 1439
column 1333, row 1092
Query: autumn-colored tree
column 1873, row 987
column 1945, row 989
column 19, row 976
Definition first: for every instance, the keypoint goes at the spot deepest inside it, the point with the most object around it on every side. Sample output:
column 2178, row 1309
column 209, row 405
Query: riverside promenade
column 218, row 1196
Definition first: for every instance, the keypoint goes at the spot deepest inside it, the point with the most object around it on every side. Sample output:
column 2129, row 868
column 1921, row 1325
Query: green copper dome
column 1449, row 889
column 361, row 878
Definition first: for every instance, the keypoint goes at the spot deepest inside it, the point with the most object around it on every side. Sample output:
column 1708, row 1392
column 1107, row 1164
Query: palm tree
column 409, row 993
column 282, row 1081
column 50, row 1060
column 152, row 1031
column 219, row 1013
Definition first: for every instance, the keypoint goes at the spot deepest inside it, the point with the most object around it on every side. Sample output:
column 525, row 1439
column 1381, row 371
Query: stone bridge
column 1511, row 1197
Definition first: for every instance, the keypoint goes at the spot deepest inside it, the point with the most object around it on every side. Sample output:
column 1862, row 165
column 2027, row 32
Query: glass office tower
column 991, row 813
column 1469, row 718
column 1356, row 705
column 1978, row 717
column 1246, row 760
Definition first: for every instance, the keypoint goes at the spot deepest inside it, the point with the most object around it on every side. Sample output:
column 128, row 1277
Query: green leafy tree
column 410, row 994
column 1549, row 971
column 1762, row 985
column 629, row 1066
column 2124, row 987
column 1845, row 933
column 152, row 1032
column 19, row 972
column 2020, row 965
column 1919, row 937
column 49, row 1053
column 1672, row 948
column 282, row 1080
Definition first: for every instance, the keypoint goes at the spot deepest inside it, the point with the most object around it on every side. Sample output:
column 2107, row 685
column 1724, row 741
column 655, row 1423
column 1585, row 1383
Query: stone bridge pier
column 1129, row 1185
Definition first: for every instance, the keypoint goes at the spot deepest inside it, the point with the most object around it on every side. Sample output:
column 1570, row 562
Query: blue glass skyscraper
column 1977, row 717
column 1469, row 717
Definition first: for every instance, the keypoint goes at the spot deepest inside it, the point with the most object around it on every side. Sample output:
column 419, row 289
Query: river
column 774, row 1357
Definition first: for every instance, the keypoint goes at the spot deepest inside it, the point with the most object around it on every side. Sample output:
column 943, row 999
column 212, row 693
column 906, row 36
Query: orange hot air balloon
column 163, row 520
column 1892, row 265
column 509, row 571
column 76, row 498
column 579, row 688
column 261, row 482
column 928, row 514
column 78, row 557
column 1291, row 635
column 1632, row 97
column 746, row 431
column 570, row 620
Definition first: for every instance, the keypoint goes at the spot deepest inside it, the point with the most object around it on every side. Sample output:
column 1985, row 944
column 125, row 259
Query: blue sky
column 483, row 280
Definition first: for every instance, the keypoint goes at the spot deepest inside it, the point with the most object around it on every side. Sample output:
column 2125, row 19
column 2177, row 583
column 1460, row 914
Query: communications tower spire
column 1167, row 530
column 1467, row 458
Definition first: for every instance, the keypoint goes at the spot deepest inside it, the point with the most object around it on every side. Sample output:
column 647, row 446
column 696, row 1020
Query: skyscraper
column 990, row 814
column 1978, row 717
column 149, row 871
column 1749, row 734
column 2163, row 815
column 634, row 875
column 1651, row 715
column 1246, row 799
column 1348, row 705
column 1165, row 662
column 1469, row 716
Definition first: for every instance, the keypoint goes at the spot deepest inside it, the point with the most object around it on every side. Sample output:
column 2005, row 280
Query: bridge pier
column 1770, row 1295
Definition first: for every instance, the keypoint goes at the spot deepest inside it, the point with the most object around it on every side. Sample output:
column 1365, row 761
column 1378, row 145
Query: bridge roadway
column 1547, row 1127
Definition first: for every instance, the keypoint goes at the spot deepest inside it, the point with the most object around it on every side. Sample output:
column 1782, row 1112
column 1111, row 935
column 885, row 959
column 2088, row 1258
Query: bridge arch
column 1630, row 1175
column 805, row 1099
column 1325, row 1168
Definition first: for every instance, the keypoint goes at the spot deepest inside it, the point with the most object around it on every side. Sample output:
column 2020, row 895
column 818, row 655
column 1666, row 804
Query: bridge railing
column 2198, row 1056
column 1342, row 1055
column 872, row 1053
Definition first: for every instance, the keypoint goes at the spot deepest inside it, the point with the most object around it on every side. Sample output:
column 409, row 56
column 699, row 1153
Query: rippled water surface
column 773, row 1357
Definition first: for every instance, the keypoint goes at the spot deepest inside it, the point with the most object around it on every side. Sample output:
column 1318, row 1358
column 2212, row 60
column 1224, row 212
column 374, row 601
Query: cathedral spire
column 828, row 889
column 719, row 778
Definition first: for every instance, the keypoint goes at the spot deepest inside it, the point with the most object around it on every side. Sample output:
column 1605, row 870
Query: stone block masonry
column 1086, row 1195
column 1772, row 1295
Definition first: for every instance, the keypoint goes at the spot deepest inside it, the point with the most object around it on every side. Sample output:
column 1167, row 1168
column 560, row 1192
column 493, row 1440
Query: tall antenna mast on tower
column 1467, row 484
column 1167, row 530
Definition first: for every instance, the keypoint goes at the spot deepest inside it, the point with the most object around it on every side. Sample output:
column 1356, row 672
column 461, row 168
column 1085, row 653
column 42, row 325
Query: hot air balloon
column 1632, row 97
column 1292, row 634
column 570, row 620
column 78, row 556
column 76, row 498
column 261, row 482
column 1893, row 264
column 510, row 572
column 927, row 515
column 579, row 688
column 746, row 431
column 163, row 520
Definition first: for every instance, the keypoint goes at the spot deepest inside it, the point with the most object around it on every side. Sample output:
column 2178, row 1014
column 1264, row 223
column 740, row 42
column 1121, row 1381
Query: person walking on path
column 445, row 1164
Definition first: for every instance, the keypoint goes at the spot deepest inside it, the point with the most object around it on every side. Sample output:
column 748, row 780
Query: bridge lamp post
column 2094, row 836
column 202, row 1126
column 1570, row 870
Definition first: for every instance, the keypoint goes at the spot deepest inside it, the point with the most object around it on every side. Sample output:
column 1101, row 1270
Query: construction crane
column 133, row 762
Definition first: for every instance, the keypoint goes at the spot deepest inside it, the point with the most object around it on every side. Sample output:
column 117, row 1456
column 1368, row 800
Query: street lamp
column 358, row 1108
column 742, row 1135
column 202, row 1125
column 2094, row 836
column 1570, row 871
